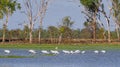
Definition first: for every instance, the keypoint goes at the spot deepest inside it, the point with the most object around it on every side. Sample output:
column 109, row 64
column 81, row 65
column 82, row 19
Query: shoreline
column 62, row 46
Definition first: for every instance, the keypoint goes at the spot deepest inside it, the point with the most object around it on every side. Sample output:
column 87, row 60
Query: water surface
column 89, row 59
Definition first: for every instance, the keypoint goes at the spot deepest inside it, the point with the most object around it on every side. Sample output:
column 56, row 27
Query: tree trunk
column 117, row 31
column 94, row 27
column 94, row 31
column 4, row 29
column 108, row 26
column 39, row 37
column 51, row 38
column 40, row 30
column 31, row 28
column 60, row 39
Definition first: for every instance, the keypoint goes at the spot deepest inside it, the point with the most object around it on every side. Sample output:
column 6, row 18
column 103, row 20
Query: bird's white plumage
column 77, row 51
column 83, row 52
column 54, row 51
column 72, row 52
column 7, row 51
column 32, row 51
column 103, row 51
column 96, row 51
column 66, row 52
column 45, row 52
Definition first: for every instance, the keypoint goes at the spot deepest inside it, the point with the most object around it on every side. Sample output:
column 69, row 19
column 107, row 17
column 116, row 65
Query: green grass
column 13, row 56
column 62, row 46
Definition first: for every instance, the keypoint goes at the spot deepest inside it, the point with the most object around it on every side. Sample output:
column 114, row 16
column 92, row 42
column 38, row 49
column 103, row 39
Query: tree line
column 58, row 33
column 35, row 11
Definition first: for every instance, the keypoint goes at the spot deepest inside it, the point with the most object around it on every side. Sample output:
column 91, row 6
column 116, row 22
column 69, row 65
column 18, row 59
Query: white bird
column 54, row 51
column 66, row 52
column 96, row 51
column 7, row 51
column 83, row 52
column 45, row 52
column 72, row 52
column 77, row 51
column 103, row 51
column 32, row 51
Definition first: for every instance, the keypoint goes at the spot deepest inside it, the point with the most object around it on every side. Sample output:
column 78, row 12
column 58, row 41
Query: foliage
column 85, row 34
column 76, row 33
column 8, row 5
column 67, row 21
column 65, row 27
column 53, row 31
column 13, row 56
column 91, row 5
column 100, row 33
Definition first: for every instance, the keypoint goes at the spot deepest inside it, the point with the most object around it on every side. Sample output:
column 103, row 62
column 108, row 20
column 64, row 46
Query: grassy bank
column 62, row 46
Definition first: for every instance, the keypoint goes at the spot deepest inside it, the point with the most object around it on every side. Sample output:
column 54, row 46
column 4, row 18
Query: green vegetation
column 13, row 56
column 7, row 8
column 94, row 29
column 62, row 46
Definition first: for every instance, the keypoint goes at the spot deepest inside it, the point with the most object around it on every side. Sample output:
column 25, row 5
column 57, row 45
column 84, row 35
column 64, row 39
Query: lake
column 89, row 59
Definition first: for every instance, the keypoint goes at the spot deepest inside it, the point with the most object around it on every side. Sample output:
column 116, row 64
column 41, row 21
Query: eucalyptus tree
column 102, row 10
column 30, row 13
column 91, row 11
column 42, row 9
column 35, row 11
column 116, row 14
column 7, row 8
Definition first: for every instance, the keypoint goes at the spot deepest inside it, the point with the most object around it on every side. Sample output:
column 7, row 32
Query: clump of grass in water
column 13, row 56
column 49, row 55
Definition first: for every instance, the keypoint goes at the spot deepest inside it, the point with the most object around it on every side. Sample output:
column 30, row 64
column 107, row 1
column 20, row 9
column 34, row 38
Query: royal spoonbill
column 77, row 51
column 45, row 52
column 72, row 52
column 103, row 51
column 96, row 51
column 32, row 51
column 54, row 51
column 66, row 52
column 83, row 52
column 7, row 51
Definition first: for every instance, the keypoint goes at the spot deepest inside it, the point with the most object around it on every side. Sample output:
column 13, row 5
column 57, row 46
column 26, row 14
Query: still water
column 89, row 59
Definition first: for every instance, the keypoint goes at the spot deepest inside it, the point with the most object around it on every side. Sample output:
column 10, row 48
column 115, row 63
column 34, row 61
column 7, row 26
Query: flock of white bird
column 63, row 51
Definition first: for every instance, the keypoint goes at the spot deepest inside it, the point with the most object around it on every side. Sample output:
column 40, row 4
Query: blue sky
column 56, row 11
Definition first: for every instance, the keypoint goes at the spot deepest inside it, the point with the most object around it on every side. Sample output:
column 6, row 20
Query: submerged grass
column 13, row 56
column 62, row 46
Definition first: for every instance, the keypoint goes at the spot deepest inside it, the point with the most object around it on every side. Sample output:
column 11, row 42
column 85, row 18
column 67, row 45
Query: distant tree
column 31, row 11
column 76, row 33
column 65, row 27
column 101, row 33
column 53, row 32
column 26, row 30
column 35, row 11
column 7, row 8
column 42, row 9
column 113, row 35
column 85, row 34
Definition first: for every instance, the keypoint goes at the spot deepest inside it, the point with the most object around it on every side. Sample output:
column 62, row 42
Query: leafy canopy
column 8, row 6
column 91, row 5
